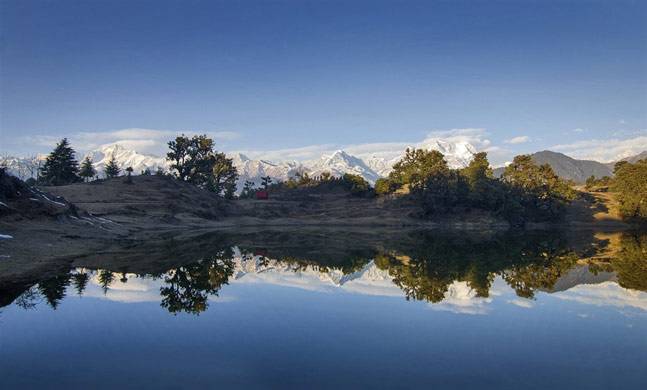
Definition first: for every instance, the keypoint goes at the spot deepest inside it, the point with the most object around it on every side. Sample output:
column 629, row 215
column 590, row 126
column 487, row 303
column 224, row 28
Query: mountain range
column 337, row 163
column 370, row 166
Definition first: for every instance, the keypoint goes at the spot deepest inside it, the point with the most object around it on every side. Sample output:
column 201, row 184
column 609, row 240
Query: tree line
column 525, row 192
column 62, row 168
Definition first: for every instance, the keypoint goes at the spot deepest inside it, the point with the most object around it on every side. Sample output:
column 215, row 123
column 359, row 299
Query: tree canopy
column 194, row 160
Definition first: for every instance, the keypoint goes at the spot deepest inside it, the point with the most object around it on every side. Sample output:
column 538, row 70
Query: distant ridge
column 567, row 167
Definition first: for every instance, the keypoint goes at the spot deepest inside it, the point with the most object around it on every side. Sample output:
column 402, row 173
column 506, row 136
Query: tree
column 112, row 168
column 631, row 184
column 87, row 169
column 248, row 190
column 484, row 191
column 129, row 178
column 223, row 176
column 478, row 169
column 356, row 184
column 191, row 158
column 194, row 160
column 537, row 189
column 179, row 156
column 383, row 186
column 266, row 181
column 61, row 167
column 416, row 167
column 326, row 176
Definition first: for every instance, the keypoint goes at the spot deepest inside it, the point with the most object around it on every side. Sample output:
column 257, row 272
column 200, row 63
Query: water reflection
column 458, row 273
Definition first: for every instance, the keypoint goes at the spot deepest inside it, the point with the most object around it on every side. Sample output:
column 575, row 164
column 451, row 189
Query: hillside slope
column 567, row 167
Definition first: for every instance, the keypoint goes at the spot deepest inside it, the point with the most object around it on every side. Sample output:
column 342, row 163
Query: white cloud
column 518, row 140
column 300, row 153
column 141, row 140
column 151, row 141
column 604, row 150
column 525, row 303
column 478, row 137
column 475, row 136
column 578, row 130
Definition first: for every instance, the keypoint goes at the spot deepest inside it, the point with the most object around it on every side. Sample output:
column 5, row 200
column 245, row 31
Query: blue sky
column 279, row 75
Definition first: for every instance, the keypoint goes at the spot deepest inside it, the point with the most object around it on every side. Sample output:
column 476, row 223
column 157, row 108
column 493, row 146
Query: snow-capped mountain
column 340, row 163
column 22, row 167
column 254, row 170
column 457, row 155
column 125, row 158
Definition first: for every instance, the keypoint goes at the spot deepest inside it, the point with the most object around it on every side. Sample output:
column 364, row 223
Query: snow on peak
column 339, row 162
column 125, row 158
column 457, row 154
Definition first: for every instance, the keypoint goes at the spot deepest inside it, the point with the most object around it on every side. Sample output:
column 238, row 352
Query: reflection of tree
column 80, row 281
column 542, row 273
column 631, row 262
column 434, row 263
column 28, row 299
column 416, row 278
column 188, row 287
column 105, row 279
column 53, row 289
column 423, row 264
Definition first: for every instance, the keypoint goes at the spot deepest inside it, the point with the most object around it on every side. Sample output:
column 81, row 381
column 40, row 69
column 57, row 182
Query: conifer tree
column 61, row 167
column 87, row 169
column 248, row 190
column 112, row 169
column 266, row 181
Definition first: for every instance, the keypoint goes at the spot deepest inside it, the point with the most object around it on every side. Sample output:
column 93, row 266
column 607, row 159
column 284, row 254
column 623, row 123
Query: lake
column 336, row 309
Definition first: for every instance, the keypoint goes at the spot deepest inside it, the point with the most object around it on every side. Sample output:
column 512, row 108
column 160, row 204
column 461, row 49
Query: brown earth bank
column 51, row 226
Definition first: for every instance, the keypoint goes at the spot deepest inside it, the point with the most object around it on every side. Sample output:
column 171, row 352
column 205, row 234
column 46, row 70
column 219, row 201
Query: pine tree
column 61, row 167
column 87, row 169
column 112, row 169
column 266, row 181
column 248, row 190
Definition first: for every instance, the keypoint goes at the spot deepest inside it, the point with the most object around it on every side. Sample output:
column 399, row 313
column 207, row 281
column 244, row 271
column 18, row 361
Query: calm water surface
column 336, row 310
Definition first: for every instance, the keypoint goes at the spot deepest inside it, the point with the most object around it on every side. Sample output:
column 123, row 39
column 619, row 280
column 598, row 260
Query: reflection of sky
column 291, row 329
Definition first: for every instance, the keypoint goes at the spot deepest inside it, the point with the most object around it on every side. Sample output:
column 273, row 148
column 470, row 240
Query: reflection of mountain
column 605, row 294
column 368, row 280
column 581, row 275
